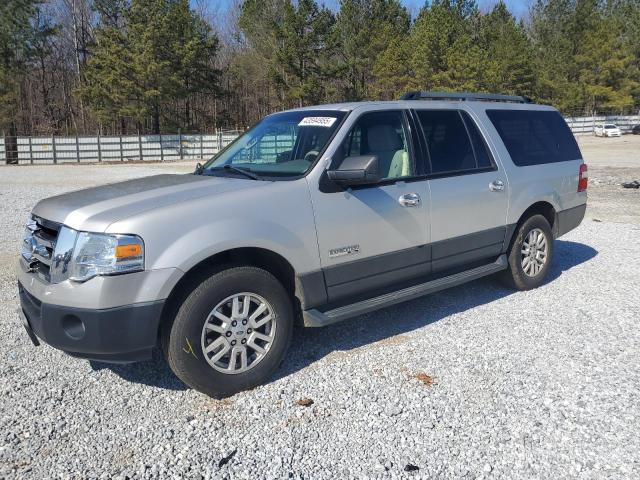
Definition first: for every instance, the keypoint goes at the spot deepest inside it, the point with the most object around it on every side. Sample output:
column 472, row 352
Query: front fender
column 236, row 233
column 276, row 216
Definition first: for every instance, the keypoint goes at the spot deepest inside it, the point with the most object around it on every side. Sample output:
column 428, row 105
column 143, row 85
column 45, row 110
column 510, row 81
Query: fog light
column 73, row 327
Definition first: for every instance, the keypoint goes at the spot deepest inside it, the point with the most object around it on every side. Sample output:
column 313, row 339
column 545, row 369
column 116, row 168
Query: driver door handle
column 409, row 200
column 496, row 186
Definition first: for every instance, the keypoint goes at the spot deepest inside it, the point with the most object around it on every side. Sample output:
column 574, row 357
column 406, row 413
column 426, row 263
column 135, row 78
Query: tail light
column 583, row 178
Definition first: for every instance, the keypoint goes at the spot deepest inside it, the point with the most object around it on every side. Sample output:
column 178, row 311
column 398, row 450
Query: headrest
column 383, row 138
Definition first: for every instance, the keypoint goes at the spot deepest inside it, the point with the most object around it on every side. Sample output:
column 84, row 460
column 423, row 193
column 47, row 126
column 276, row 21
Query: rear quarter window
column 534, row 137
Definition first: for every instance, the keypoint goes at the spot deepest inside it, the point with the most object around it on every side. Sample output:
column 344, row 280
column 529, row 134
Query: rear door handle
column 496, row 186
column 409, row 200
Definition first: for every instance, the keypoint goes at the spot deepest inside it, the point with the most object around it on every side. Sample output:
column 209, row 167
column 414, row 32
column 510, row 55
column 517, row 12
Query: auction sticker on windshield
column 317, row 121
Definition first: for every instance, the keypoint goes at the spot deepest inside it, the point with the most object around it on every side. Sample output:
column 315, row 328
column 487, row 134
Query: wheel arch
column 543, row 208
column 268, row 260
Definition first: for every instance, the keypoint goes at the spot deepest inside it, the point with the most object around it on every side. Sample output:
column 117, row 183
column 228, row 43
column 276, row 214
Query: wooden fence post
column 161, row 149
column 140, row 147
column 30, row 150
column 99, row 151
column 77, row 149
column 53, row 147
column 180, row 143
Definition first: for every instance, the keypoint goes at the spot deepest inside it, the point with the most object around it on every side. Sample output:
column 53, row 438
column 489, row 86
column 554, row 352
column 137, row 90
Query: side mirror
column 358, row 170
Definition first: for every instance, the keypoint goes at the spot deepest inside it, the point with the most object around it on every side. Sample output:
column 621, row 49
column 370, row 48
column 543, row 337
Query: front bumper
column 120, row 334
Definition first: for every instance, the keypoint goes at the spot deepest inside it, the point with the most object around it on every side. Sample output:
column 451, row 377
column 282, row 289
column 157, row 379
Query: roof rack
column 465, row 96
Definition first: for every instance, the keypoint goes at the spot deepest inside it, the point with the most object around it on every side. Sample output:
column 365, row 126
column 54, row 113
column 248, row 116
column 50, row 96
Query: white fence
column 196, row 146
column 115, row 148
column 585, row 125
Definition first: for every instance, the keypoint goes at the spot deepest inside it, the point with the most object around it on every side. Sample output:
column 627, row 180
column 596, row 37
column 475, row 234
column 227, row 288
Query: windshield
column 281, row 145
column 610, row 127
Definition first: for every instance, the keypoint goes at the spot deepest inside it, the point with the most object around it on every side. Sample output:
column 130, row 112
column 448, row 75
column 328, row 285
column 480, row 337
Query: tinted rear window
column 535, row 137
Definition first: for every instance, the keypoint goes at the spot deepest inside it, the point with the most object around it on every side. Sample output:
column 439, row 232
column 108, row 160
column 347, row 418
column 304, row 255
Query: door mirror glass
column 356, row 170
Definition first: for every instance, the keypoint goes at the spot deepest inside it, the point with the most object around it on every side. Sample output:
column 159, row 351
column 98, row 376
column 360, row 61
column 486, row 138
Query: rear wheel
column 530, row 254
column 231, row 333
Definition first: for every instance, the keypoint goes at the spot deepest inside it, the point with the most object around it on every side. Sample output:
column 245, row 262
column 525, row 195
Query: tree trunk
column 156, row 120
column 11, row 145
column 187, row 113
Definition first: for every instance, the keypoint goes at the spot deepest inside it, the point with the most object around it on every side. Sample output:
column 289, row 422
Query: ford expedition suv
column 313, row 216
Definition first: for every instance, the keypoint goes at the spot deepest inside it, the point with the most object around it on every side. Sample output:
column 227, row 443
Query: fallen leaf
column 223, row 461
column 305, row 402
column 411, row 468
column 424, row 378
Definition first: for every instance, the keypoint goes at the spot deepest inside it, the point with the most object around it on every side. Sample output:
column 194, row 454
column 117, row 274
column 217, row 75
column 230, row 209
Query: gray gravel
column 540, row 384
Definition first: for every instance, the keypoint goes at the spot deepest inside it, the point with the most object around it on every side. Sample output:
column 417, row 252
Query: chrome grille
column 40, row 245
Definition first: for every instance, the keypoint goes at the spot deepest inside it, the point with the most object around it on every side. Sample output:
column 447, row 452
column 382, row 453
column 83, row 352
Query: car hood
column 94, row 209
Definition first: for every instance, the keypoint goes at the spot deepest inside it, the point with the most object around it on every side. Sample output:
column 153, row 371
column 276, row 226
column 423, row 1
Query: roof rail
column 465, row 96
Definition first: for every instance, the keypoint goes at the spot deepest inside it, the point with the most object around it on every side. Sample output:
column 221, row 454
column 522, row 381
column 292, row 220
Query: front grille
column 45, row 235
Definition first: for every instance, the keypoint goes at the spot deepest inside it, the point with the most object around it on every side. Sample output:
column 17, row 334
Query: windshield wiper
column 241, row 171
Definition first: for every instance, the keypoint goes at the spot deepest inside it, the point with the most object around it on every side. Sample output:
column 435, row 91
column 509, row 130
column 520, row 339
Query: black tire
column 515, row 276
column 182, row 341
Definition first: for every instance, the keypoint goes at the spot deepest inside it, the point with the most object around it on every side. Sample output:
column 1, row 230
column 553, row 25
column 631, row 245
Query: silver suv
column 313, row 216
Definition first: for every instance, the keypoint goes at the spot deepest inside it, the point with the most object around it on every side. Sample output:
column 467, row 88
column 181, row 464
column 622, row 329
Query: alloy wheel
column 534, row 252
column 238, row 333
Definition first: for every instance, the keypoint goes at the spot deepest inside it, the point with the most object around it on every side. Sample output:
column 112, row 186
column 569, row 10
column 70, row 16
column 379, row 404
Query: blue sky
column 518, row 7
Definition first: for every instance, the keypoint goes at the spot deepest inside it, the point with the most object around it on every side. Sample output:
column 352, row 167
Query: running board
column 316, row 318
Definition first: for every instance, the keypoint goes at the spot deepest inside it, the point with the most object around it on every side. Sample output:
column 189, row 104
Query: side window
column 382, row 134
column 352, row 143
column 480, row 149
column 535, row 137
column 275, row 145
column 449, row 145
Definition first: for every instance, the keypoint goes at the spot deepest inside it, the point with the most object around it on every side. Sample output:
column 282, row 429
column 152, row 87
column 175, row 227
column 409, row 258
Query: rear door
column 468, row 191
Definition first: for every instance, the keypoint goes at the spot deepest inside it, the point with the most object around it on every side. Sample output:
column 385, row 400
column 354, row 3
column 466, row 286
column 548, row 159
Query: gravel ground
column 473, row 382
column 612, row 161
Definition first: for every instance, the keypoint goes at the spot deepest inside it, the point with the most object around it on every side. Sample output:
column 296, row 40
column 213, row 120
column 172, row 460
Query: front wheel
column 231, row 333
column 530, row 254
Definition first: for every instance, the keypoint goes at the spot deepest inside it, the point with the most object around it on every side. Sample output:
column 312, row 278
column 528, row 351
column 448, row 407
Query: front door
column 374, row 237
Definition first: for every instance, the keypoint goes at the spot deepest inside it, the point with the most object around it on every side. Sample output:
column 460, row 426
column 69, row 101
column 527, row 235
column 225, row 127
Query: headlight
column 101, row 254
column 80, row 256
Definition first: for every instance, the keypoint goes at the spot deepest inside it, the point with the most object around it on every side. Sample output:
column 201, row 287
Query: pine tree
column 364, row 30
column 557, row 36
column 607, row 68
column 586, row 58
column 509, row 59
column 392, row 72
column 111, row 85
column 301, row 56
column 255, row 65
column 162, row 55
column 17, row 48
column 446, row 56
column 192, row 51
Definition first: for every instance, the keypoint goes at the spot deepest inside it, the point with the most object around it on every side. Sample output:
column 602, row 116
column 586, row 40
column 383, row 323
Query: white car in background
column 607, row 130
